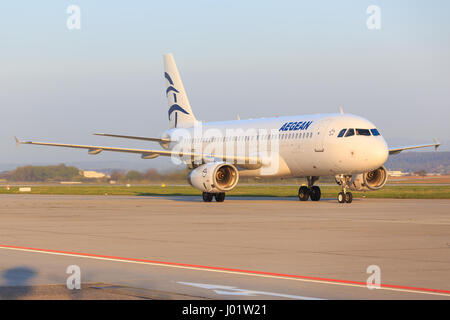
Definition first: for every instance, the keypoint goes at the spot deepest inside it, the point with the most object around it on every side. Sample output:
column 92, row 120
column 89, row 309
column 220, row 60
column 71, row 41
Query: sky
column 252, row 58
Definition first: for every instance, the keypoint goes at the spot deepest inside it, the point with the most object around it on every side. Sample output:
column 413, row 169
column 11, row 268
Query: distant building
column 93, row 174
column 397, row 173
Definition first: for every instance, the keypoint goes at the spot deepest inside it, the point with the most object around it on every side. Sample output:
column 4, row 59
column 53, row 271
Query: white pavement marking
column 233, row 291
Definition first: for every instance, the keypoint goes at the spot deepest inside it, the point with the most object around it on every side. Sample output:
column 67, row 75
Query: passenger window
column 375, row 132
column 363, row 132
column 341, row 134
column 350, row 132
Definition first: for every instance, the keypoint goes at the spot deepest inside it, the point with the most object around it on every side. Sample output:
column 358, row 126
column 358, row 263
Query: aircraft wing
column 151, row 154
column 436, row 145
column 132, row 137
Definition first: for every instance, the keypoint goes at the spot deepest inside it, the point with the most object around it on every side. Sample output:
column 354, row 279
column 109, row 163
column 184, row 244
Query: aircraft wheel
column 207, row 197
column 348, row 197
column 341, row 197
column 315, row 193
column 303, row 193
column 220, row 197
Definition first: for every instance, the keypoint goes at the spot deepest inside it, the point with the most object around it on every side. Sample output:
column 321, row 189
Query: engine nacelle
column 372, row 180
column 214, row 177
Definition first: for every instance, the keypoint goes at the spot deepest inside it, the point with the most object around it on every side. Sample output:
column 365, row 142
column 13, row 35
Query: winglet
column 438, row 144
column 341, row 110
column 17, row 141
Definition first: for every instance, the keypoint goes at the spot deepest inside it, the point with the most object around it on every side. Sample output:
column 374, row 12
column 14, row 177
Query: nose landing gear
column 344, row 196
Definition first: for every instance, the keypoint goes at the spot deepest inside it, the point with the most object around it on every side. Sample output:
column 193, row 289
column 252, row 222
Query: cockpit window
column 363, row 132
column 350, row 132
column 341, row 133
column 359, row 132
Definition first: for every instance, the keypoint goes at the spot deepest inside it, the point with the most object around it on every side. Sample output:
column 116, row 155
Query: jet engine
column 214, row 177
column 369, row 181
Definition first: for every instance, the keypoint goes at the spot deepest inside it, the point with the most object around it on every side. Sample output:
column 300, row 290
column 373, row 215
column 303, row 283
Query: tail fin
column 180, row 112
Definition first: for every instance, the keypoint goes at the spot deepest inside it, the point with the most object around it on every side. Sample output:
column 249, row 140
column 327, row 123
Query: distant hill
column 438, row 162
column 104, row 165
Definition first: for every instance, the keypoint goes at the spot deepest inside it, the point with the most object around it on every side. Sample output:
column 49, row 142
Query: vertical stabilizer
column 180, row 112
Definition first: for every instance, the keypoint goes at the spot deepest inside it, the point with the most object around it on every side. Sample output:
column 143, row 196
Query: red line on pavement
column 228, row 269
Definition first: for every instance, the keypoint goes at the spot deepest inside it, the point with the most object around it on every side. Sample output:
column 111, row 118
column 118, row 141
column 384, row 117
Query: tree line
column 61, row 172
column 150, row 175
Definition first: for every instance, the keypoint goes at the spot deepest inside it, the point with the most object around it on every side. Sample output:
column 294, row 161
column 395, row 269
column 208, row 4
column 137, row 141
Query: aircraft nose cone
column 379, row 152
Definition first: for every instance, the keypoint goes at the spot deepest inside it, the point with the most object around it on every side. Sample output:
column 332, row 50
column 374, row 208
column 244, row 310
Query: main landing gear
column 310, row 191
column 344, row 196
column 208, row 196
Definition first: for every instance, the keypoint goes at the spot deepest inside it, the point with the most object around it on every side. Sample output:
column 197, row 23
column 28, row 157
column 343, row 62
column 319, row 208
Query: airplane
column 346, row 146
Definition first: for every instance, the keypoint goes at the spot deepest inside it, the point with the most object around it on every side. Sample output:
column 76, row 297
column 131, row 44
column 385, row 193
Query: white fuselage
column 308, row 145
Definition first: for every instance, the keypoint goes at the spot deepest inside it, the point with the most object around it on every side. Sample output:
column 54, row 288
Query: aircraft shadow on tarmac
column 15, row 283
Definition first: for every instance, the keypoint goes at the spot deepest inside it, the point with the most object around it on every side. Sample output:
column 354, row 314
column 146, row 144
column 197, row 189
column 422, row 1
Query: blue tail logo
column 175, row 107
